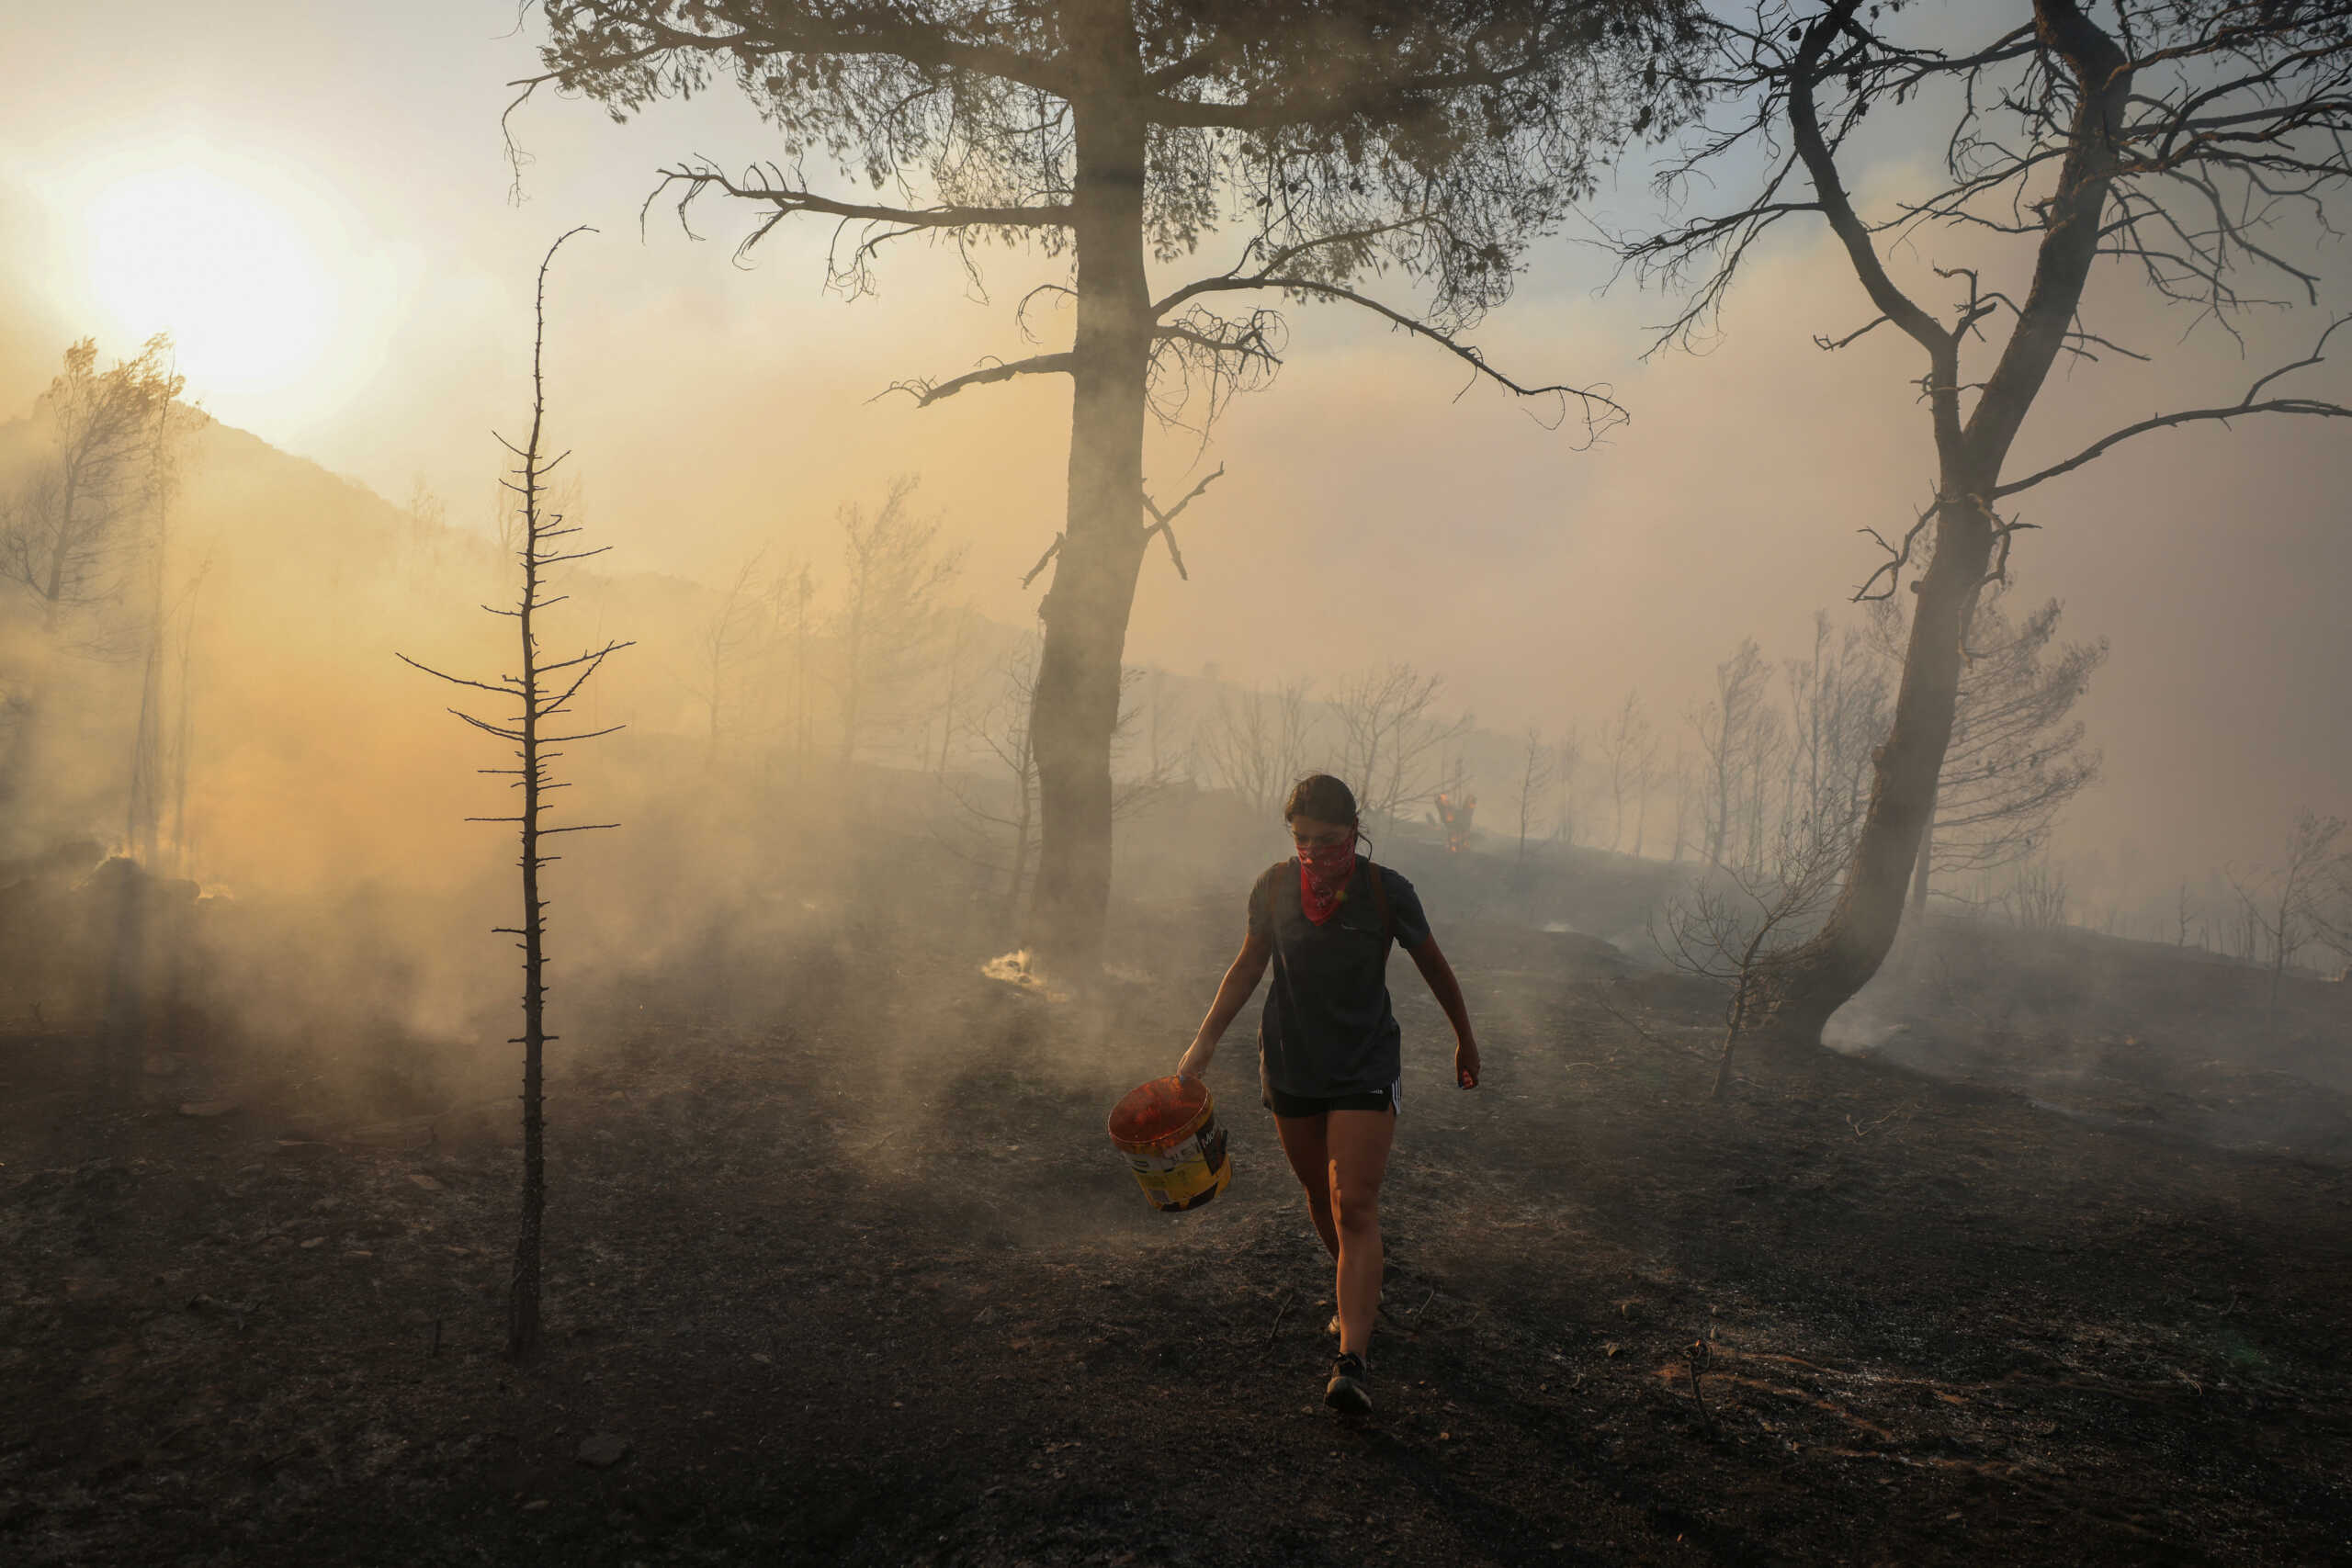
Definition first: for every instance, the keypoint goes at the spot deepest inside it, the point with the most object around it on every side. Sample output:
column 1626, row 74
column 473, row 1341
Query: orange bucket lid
column 1157, row 1111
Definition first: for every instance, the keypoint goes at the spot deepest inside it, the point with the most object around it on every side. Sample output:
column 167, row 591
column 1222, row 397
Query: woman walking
column 1328, row 1046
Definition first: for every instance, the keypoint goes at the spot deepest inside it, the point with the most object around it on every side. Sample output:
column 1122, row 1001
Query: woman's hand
column 1196, row 1059
column 1466, row 1062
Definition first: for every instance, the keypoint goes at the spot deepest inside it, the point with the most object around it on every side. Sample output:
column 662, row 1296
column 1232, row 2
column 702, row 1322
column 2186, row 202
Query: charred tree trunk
column 1076, row 707
column 523, row 1302
column 1818, row 977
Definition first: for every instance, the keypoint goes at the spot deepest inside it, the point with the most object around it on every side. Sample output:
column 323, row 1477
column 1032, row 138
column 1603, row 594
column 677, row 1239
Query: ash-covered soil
column 845, row 1272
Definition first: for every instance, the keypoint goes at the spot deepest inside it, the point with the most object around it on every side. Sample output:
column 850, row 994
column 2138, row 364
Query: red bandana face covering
column 1323, row 876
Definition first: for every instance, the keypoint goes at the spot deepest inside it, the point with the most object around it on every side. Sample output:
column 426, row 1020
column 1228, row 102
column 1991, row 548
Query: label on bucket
column 1186, row 1174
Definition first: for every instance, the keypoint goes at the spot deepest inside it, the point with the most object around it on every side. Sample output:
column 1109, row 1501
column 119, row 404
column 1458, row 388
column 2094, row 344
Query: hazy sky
column 315, row 200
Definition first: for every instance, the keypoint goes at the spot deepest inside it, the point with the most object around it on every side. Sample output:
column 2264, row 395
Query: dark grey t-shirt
column 1327, row 1029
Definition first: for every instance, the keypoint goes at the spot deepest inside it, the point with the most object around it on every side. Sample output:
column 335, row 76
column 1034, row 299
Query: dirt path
column 852, row 1278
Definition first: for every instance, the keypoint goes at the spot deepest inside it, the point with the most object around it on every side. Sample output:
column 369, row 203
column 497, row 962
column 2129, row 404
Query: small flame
column 1012, row 969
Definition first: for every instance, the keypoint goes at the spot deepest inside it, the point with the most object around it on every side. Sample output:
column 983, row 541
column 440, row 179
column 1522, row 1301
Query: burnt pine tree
column 894, row 573
column 1537, row 764
column 72, row 536
column 542, row 696
column 2192, row 146
column 1341, row 138
column 1255, row 742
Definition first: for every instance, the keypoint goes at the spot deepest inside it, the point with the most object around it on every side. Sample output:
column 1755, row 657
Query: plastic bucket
column 1168, row 1132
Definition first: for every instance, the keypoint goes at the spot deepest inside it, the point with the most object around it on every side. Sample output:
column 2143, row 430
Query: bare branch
column 926, row 393
column 604, row 652
column 2250, row 404
column 790, row 199
column 1830, row 345
column 505, row 691
column 1898, row 556
column 1163, row 522
column 1051, row 551
column 484, row 725
column 1601, row 412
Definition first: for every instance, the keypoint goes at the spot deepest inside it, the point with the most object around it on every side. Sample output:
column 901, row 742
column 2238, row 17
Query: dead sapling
column 1736, row 924
column 1275, row 1331
column 1696, row 1357
column 542, row 695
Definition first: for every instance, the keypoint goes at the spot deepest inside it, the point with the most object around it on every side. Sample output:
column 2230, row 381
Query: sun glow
column 226, row 272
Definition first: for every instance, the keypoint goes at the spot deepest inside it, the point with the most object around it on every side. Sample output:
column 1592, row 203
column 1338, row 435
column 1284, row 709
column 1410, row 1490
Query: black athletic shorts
column 1282, row 1104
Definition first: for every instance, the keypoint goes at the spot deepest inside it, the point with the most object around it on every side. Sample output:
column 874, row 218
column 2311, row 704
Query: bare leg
column 1310, row 1161
column 1359, row 1143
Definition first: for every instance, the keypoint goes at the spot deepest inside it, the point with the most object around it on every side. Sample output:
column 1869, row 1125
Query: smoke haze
column 720, row 411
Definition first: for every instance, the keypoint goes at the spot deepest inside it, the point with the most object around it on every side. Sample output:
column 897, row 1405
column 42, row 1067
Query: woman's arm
column 1448, row 992
column 1248, row 968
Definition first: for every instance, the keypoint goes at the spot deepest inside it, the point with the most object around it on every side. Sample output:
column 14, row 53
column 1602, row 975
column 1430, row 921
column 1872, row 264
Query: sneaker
column 1346, row 1392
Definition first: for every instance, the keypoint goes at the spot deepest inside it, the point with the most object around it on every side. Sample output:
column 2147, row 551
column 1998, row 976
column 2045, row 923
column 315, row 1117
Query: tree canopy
column 1342, row 140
